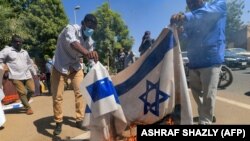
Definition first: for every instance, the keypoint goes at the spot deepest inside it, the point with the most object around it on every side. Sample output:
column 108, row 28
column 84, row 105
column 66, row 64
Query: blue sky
column 138, row 15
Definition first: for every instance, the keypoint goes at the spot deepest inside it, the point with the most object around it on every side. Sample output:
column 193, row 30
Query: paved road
column 233, row 103
column 241, row 82
column 232, row 107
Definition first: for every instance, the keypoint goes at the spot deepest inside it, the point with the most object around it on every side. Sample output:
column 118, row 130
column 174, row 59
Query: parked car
column 184, row 57
column 241, row 51
column 234, row 60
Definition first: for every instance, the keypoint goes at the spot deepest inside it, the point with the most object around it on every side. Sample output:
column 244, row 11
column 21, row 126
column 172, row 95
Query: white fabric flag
column 2, row 116
column 150, row 88
column 104, row 115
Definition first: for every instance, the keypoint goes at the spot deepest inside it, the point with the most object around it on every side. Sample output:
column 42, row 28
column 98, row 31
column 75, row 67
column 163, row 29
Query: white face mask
column 88, row 32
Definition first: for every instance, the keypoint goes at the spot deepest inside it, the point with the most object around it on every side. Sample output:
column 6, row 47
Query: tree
column 10, row 24
column 46, row 18
column 234, row 13
column 38, row 22
column 111, row 35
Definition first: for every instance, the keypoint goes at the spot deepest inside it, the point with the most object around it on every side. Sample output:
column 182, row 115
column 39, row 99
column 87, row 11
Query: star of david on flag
column 160, row 97
column 150, row 88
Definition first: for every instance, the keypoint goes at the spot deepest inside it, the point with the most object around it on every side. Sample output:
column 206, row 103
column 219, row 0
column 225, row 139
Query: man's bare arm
column 88, row 54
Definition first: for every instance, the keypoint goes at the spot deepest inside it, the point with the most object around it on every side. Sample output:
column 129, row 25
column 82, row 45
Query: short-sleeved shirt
column 48, row 66
column 65, row 56
column 19, row 63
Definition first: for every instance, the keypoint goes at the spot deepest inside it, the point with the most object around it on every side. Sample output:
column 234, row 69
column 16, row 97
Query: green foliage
column 38, row 22
column 234, row 13
column 10, row 24
column 111, row 35
column 47, row 18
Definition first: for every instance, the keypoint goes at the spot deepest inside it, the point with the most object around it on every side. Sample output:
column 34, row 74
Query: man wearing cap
column 73, row 43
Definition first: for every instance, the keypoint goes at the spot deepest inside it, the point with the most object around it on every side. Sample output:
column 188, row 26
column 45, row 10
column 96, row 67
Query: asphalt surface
column 230, row 109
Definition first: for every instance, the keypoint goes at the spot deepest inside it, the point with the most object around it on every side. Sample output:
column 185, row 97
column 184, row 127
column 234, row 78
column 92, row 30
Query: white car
column 241, row 51
column 185, row 63
column 184, row 57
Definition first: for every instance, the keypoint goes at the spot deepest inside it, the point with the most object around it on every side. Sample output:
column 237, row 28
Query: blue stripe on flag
column 148, row 65
column 16, row 106
column 87, row 110
column 101, row 89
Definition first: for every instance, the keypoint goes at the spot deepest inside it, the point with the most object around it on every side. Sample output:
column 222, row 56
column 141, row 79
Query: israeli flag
column 150, row 88
column 104, row 115
column 145, row 92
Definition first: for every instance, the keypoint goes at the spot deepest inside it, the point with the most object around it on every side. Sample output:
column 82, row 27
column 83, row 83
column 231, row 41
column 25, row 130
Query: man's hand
column 5, row 67
column 177, row 19
column 92, row 55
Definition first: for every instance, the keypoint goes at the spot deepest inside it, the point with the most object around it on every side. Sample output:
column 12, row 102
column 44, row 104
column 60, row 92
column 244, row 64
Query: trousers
column 57, row 89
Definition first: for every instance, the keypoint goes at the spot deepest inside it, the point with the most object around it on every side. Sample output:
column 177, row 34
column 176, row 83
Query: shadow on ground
column 195, row 119
column 247, row 93
column 43, row 124
column 15, row 111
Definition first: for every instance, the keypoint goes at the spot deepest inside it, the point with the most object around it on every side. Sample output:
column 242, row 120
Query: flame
column 170, row 121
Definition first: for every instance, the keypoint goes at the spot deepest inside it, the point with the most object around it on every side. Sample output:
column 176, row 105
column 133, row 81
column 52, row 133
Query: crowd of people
column 203, row 30
column 125, row 59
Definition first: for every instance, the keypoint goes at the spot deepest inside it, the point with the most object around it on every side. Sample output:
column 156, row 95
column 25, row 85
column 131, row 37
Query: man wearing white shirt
column 73, row 42
column 20, row 68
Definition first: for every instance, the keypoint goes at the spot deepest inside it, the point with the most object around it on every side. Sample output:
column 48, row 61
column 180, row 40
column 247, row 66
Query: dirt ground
column 40, row 125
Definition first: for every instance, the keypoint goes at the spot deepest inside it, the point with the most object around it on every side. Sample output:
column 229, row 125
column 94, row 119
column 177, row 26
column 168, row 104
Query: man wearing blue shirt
column 204, row 32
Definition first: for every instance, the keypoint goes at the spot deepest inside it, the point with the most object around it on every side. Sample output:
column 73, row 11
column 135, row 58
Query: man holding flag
column 146, row 91
column 204, row 32
column 73, row 42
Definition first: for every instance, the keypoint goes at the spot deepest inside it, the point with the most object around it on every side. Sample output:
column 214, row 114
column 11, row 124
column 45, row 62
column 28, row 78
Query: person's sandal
column 29, row 112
